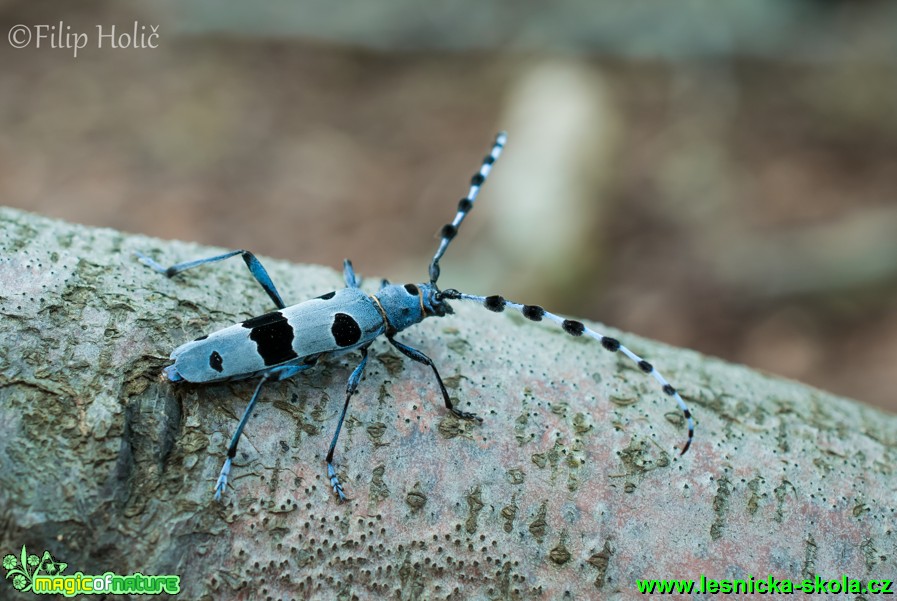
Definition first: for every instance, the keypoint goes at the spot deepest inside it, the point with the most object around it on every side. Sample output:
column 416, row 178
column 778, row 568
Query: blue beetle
column 280, row 344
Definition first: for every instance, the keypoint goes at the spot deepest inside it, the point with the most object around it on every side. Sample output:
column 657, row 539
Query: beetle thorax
column 404, row 305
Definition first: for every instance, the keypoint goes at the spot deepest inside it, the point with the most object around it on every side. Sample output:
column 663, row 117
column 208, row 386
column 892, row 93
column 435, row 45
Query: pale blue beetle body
column 299, row 335
column 303, row 331
column 280, row 344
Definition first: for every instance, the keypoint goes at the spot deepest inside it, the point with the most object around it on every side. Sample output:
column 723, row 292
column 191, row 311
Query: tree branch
column 572, row 483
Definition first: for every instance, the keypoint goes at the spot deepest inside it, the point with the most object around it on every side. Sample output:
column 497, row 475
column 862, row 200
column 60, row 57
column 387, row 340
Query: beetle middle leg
column 280, row 373
column 352, row 280
column 351, row 387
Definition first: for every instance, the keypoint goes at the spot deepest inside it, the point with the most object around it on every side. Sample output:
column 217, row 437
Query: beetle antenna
column 576, row 328
column 450, row 230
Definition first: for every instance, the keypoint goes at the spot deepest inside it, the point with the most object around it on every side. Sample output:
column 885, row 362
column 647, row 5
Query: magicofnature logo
column 43, row 575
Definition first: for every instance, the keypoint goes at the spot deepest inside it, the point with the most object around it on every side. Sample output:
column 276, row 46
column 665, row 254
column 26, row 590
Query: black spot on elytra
column 273, row 337
column 411, row 289
column 263, row 320
column 327, row 296
column 215, row 362
column 200, row 338
column 345, row 330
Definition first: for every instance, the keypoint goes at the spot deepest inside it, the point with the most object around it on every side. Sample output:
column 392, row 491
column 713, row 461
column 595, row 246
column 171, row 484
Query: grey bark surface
column 571, row 488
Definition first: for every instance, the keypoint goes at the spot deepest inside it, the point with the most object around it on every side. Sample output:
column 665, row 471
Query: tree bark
column 571, row 486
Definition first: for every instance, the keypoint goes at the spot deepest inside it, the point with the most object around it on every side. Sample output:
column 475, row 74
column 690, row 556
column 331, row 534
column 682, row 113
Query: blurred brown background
column 717, row 175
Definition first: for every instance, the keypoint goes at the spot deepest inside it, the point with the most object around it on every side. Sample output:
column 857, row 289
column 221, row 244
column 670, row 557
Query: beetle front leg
column 418, row 356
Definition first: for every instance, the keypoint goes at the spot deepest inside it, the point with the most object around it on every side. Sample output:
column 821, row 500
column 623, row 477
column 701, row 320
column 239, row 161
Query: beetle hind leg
column 255, row 266
column 221, row 484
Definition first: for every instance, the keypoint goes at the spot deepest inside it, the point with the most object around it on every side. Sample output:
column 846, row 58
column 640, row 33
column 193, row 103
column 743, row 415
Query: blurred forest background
column 717, row 175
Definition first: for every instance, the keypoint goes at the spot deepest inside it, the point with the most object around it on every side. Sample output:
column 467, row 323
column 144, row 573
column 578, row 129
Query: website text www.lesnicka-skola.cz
column 766, row 586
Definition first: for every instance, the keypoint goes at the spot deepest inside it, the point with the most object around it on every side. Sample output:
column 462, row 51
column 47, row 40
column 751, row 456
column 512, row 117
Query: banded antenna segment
column 450, row 230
